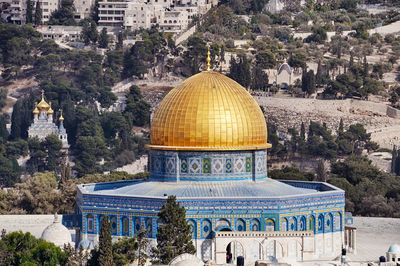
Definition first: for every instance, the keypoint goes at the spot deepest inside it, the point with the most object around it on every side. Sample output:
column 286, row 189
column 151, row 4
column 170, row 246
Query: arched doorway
column 233, row 250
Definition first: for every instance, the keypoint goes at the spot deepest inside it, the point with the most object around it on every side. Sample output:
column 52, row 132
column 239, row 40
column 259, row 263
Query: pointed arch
column 269, row 225
column 303, row 224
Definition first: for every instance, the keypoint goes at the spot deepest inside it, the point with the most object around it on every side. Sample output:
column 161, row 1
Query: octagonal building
column 208, row 147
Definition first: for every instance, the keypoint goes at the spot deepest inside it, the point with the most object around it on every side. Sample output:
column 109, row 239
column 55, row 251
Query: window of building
column 114, row 225
column 125, row 226
column 90, row 222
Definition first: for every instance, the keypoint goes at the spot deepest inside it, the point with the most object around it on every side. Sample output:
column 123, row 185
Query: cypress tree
column 318, row 76
column 3, row 126
column 303, row 131
column 16, row 120
column 341, row 126
column 105, row 243
column 174, row 235
column 120, row 42
column 28, row 11
column 365, row 67
column 103, row 39
column 38, row 14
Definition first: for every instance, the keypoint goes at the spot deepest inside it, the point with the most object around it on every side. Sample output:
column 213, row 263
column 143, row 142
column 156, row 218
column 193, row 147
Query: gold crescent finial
column 42, row 94
column 208, row 59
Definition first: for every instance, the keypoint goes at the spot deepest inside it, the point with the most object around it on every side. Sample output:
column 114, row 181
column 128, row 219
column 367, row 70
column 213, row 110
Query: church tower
column 43, row 124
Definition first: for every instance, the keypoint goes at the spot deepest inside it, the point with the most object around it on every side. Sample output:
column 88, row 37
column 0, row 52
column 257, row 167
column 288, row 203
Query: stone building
column 208, row 147
column 43, row 124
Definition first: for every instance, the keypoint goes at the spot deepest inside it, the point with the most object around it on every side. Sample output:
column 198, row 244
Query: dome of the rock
column 208, row 111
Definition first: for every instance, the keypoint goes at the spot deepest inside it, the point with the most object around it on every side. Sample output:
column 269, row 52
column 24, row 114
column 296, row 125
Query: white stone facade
column 171, row 16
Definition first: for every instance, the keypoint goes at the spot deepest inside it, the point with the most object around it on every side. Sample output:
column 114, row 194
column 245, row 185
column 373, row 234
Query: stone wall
column 392, row 112
column 34, row 224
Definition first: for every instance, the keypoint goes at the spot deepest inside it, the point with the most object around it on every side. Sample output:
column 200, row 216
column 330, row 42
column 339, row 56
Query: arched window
column 292, row 224
column 284, row 226
column 90, row 223
column 255, row 225
column 270, row 225
column 222, row 223
column 303, row 223
column 321, row 223
column 192, row 225
column 329, row 223
column 114, row 225
column 206, row 229
column 125, row 226
column 311, row 224
column 338, row 221
column 136, row 225
column 240, row 225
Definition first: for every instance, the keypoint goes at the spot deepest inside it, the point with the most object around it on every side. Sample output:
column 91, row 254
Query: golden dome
column 50, row 111
column 36, row 110
column 43, row 105
column 208, row 111
column 61, row 117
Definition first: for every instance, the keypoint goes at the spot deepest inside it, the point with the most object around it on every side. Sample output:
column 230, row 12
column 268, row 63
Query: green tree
column 103, row 38
column 24, row 249
column 137, row 110
column 240, row 70
column 105, row 244
column 46, row 253
column 28, row 17
column 9, row 171
column 297, row 59
column 259, row 79
column 308, row 82
column 318, row 35
column 4, row 118
column 265, row 59
column 124, row 251
column 38, row 14
column 173, row 236
column 120, row 41
column 64, row 15
column 86, row 32
column 195, row 56
column 93, row 33
column 95, row 12
column 39, row 194
column 53, row 145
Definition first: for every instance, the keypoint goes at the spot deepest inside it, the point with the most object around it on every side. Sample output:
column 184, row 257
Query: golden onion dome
column 50, row 111
column 61, row 117
column 36, row 110
column 43, row 105
column 208, row 111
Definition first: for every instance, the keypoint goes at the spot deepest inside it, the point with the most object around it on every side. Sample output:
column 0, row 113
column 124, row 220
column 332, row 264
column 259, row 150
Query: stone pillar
column 118, row 225
column 177, row 167
column 130, row 226
column 354, row 241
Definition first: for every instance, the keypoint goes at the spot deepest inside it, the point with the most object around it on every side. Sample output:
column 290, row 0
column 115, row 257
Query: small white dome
column 186, row 260
column 394, row 248
column 57, row 233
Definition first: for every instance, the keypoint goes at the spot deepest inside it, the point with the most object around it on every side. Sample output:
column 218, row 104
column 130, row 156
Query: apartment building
column 174, row 21
column 17, row 10
column 171, row 15
column 16, row 13
column 83, row 8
